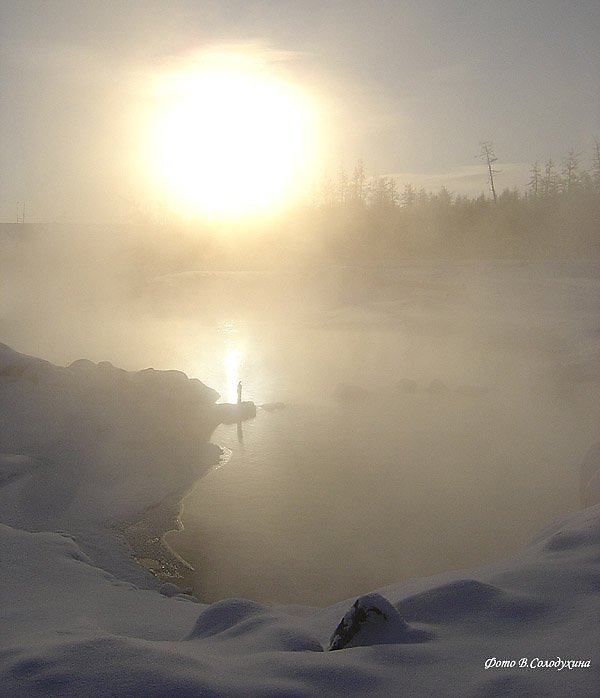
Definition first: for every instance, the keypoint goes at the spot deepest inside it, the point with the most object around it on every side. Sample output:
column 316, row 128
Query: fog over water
column 330, row 498
column 480, row 396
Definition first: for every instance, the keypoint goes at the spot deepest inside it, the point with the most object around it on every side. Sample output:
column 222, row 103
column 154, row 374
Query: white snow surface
column 87, row 446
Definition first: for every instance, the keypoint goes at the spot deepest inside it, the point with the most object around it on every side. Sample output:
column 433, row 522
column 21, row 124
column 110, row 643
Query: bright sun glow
column 233, row 358
column 230, row 138
column 233, row 367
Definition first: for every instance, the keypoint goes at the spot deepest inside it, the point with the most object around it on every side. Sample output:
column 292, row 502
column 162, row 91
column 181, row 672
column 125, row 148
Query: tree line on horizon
column 355, row 218
column 549, row 179
column 558, row 213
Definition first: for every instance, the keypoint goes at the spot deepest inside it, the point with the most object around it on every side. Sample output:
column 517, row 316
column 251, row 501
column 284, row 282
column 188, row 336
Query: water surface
column 327, row 499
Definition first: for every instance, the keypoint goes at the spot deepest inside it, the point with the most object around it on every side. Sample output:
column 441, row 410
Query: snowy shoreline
column 86, row 445
column 149, row 427
column 146, row 538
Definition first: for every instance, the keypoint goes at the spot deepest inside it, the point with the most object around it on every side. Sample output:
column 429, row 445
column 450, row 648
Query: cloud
column 467, row 179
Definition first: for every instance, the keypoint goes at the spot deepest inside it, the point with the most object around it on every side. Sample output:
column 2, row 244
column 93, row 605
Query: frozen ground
column 88, row 446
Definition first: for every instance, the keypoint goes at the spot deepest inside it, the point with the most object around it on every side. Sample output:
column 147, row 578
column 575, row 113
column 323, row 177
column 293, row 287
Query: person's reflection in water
column 240, row 432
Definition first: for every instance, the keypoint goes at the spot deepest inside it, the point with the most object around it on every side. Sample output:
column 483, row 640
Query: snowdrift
column 88, row 445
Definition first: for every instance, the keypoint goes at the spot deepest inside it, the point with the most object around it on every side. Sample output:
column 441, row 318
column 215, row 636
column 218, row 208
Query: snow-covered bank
column 90, row 445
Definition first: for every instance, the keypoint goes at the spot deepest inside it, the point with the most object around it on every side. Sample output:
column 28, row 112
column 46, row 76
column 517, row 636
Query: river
column 480, row 399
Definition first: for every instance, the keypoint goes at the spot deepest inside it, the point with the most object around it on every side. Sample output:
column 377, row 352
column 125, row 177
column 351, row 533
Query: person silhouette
column 239, row 392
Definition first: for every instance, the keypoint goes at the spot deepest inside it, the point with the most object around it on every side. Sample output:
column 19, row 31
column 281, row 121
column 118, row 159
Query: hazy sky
column 411, row 87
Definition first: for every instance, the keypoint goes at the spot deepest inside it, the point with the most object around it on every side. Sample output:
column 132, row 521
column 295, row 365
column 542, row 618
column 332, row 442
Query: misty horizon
column 94, row 133
column 477, row 389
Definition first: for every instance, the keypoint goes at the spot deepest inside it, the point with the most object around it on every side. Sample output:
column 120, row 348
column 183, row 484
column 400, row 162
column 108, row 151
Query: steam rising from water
column 330, row 498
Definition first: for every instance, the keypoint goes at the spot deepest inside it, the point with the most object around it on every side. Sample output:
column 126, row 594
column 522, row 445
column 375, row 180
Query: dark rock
column 273, row 406
column 346, row 392
column 371, row 620
column 232, row 413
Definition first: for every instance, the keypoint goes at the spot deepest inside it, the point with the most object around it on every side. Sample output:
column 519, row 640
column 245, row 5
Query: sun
column 229, row 137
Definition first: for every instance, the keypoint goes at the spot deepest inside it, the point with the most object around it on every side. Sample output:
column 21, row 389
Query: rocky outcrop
column 347, row 392
column 235, row 412
column 372, row 620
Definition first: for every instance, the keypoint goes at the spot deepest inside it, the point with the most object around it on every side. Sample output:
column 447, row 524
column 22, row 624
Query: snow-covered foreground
column 88, row 446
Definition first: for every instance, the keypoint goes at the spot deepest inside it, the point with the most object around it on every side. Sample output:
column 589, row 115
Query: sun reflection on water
column 233, row 364
column 233, row 360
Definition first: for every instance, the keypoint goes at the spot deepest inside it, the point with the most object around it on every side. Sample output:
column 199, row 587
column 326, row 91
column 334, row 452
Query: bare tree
column 489, row 157
column 535, row 179
column 570, row 171
column 549, row 181
column 358, row 183
column 341, row 186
